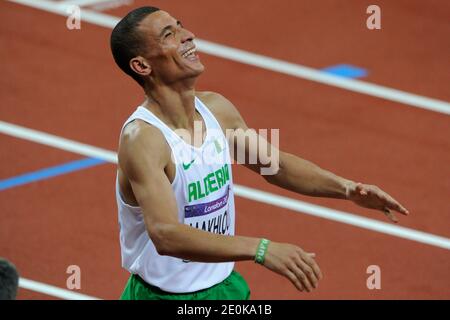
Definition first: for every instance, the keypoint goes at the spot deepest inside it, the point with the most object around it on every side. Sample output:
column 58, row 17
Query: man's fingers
column 301, row 277
column 375, row 198
column 390, row 215
column 389, row 202
column 309, row 272
column 312, row 263
column 394, row 204
column 404, row 210
column 293, row 278
column 397, row 206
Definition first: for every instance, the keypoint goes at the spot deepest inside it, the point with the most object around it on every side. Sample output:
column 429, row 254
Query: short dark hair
column 9, row 280
column 126, row 42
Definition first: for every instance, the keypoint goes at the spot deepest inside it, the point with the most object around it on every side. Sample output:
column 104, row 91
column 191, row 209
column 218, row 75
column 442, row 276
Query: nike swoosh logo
column 187, row 166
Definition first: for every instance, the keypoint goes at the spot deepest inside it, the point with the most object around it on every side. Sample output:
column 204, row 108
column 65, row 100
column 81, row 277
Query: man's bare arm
column 305, row 177
column 143, row 155
column 302, row 176
column 299, row 175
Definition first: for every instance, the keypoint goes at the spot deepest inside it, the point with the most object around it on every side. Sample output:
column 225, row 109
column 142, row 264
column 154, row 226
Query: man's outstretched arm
column 307, row 178
column 299, row 175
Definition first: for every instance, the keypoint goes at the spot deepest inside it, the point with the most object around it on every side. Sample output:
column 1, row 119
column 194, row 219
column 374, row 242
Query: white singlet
column 203, row 188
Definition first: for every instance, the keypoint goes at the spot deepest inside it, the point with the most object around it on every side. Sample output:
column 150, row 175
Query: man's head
column 153, row 48
column 9, row 280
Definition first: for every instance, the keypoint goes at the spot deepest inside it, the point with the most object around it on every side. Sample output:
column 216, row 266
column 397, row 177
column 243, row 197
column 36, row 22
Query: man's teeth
column 188, row 53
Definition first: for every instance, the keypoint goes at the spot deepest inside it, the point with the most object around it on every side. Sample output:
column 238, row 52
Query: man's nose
column 187, row 35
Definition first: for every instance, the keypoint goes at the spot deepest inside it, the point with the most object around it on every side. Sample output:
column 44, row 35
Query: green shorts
column 232, row 288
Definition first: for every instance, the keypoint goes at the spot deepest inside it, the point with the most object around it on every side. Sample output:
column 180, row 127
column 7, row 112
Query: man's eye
column 167, row 34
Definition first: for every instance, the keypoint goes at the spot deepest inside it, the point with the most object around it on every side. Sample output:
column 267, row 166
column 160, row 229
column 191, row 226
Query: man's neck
column 174, row 104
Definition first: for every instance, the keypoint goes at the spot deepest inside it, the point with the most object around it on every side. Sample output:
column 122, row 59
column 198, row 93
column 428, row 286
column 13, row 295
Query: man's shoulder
column 138, row 136
column 138, row 130
column 213, row 99
column 221, row 107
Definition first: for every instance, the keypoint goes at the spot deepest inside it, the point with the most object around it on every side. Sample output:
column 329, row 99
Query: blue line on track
column 346, row 71
column 48, row 173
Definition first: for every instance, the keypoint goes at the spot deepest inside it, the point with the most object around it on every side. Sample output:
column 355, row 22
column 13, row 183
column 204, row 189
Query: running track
column 65, row 83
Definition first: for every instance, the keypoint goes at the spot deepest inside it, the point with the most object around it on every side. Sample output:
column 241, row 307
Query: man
column 9, row 280
column 176, row 208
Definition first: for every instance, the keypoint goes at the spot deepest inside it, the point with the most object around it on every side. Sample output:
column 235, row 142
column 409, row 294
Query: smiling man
column 176, row 208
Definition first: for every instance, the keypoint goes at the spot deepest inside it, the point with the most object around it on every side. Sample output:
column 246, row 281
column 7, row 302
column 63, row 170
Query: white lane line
column 268, row 63
column 242, row 191
column 57, row 142
column 311, row 74
column 342, row 217
column 52, row 290
column 83, row 3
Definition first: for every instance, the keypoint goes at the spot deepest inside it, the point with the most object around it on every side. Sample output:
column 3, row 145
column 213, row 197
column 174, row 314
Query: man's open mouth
column 190, row 53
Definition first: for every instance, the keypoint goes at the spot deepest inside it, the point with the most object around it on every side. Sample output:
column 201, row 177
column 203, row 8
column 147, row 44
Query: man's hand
column 372, row 197
column 293, row 263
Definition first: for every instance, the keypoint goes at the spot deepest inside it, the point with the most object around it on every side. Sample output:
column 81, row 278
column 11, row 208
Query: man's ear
column 140, row 66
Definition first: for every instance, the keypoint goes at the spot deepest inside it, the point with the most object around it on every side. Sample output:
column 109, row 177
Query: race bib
column 210, row 216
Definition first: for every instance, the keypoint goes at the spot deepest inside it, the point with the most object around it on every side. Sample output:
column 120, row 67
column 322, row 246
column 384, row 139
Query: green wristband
column 261, row 251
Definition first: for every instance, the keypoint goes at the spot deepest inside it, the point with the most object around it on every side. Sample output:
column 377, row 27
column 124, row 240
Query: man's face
column 171, row 50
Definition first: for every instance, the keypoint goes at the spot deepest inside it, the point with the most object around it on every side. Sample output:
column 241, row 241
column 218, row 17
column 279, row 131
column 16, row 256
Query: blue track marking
column 48, row 173
column 346, row 71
